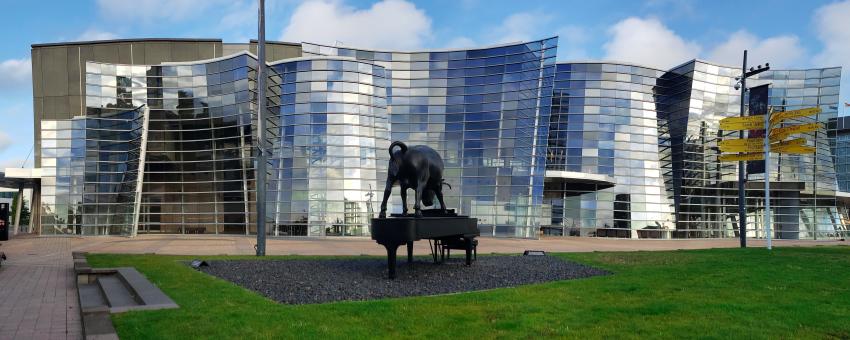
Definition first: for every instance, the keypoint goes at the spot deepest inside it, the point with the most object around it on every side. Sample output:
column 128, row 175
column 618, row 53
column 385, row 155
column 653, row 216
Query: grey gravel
column 318, row 281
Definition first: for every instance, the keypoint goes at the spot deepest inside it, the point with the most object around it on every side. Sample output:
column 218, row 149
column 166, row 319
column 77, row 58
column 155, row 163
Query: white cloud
column 782, row 51
column 95, row 34
column 521, row 26
column 388, row 24
column 831, row 26
column 15, row 74
column 648, row 42
column 517, row 27
column 571, row 43
column 461, row 42
column 150, row 10
column 241, row 13
column 239, row 23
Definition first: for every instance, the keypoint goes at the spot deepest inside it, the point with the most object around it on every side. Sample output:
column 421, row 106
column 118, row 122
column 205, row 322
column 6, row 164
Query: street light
column 261, row 130
column 742, row 175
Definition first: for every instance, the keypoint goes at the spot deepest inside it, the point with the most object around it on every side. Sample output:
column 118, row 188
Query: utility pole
column 767, row 232
column 261, row 131
column 742, row 171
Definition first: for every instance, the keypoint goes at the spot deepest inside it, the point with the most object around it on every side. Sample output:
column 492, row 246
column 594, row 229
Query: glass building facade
column 486, row 111
column 604, row 122
column 330, row 131
column 198, row 171
column 530, row 146
column 692, row 98
column 842, row 153
column 90, row 173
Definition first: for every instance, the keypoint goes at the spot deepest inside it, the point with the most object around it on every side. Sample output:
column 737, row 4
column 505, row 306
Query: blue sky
column 661, row 33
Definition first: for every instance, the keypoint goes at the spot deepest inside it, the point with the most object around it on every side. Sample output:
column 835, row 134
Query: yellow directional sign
column 779, row 134
column 742, row 123
column 742, row 145
column 777, row 117
column 795, row 149
column 752, row 156
column 754, row 144
column 787, row 143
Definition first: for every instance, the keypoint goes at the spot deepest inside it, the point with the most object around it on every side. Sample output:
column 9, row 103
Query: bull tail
column 443, row 182
column 401, row 146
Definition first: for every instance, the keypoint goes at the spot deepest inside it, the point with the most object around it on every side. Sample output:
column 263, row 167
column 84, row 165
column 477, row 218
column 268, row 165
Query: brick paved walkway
column 244, row 245
column 37, row 295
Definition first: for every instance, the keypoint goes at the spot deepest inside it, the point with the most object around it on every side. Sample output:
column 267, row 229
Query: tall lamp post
column 261, row 130
column 742, row 171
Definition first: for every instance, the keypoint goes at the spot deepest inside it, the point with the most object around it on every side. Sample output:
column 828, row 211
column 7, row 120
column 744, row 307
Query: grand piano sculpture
column 420, row 168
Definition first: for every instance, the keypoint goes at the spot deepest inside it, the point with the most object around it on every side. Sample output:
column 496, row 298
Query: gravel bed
column 319, row 281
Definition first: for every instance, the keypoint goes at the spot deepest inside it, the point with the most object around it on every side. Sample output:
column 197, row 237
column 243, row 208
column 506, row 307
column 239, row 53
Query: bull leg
column 403, row 201
column 388, row 190
column 442, row 203
column 417, row 205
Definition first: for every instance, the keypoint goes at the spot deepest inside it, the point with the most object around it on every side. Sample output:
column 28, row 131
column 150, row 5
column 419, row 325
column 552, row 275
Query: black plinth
column 394, row 231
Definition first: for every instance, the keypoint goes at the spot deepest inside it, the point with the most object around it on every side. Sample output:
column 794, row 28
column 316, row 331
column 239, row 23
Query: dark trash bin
column 4, row 221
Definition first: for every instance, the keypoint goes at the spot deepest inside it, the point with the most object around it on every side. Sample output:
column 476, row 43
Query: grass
column 718, row 293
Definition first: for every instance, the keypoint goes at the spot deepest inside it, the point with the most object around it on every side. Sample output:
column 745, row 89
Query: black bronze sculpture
column 419, row 168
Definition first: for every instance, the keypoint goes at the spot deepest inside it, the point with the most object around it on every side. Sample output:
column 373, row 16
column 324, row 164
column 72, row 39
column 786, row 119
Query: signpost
column 780, row 116
column 740, row 157
column 767, row 140
column 742, row 176
column 742, row 123
column 781, row 133
column 756, row 149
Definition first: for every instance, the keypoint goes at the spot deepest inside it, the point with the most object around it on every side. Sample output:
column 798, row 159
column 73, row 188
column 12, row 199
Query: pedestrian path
column 37, row 295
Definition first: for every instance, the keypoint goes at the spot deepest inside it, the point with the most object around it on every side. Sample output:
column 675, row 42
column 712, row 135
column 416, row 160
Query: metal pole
column 261, row 131
column 767, row 178
column 742, row 176
column 20, row 199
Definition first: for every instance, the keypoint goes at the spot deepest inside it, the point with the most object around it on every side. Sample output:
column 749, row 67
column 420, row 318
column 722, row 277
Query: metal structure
column 742, row 170
column 261, row 131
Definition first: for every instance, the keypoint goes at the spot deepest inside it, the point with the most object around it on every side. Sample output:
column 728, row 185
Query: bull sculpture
column 418, row 167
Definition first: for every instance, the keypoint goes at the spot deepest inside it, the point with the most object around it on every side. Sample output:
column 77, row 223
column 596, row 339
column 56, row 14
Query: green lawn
column 718, row 293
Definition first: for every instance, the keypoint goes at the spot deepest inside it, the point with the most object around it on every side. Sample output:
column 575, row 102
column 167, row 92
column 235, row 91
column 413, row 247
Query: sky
column 659, row 33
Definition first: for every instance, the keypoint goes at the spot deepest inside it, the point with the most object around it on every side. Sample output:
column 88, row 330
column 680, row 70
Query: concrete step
column 92, row 299
column 147, row 295
column 119, row 297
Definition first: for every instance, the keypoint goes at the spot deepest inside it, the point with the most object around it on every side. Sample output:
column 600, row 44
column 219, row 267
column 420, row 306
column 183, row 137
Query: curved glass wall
column 330, row 131
column 692, row 99
column 842, row 153
column 633, row 151
column 90, row 167
column 198, row 174
column 486, row 111
column 604, row 122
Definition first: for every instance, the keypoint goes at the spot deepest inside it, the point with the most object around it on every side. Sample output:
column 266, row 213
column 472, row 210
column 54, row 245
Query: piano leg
column 468, row 250
column 391, row 252
column 410, row 252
